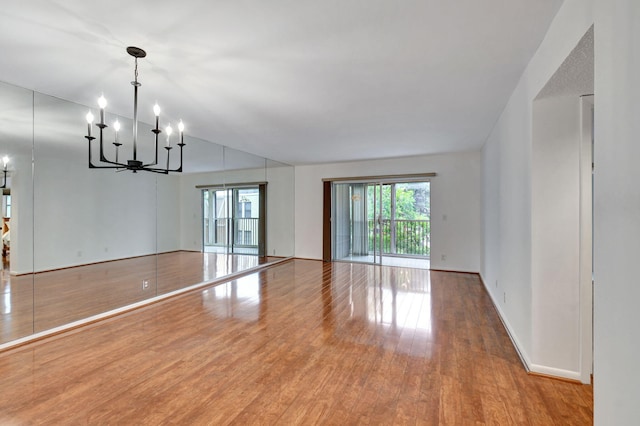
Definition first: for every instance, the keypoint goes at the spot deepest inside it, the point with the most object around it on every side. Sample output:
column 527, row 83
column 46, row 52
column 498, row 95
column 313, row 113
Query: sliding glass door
column 233, row 220
column 356, row 222
column 385, row 222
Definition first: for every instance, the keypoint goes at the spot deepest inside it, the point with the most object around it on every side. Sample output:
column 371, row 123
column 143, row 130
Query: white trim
column 555, row 372
column 585, row 278
column 524, row 358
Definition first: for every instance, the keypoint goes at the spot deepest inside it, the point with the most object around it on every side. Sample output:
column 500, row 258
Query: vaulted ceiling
column 298, row 81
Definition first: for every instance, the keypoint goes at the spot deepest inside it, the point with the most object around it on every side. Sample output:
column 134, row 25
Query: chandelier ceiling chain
column 134, row 164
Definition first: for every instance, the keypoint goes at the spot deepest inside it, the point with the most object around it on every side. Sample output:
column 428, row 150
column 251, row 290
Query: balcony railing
column 245, row 232
column 406, row 237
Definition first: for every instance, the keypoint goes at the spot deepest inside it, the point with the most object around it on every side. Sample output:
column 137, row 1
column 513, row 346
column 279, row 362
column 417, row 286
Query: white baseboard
column 555, row 372
column 524, row 357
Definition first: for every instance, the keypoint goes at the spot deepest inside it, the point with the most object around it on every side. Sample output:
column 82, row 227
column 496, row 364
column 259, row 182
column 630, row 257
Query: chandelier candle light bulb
column 89, row 123
column 156, row 111
column 169, row 130
column 102, row 103
column 116, row 128
column 181, row 130
column 5, row 162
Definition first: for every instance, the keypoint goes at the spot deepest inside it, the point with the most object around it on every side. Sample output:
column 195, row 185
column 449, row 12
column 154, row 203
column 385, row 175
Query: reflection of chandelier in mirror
column 134, row 164
column 5, row 163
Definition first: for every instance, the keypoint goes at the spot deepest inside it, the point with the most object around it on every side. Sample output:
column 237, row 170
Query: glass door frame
column 231, row 199
column 377, row 221
column 330, row 217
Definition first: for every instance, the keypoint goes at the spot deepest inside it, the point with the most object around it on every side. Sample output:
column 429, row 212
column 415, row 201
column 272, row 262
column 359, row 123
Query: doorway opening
column 386, row 222
column 562, row 218
column 234, row 220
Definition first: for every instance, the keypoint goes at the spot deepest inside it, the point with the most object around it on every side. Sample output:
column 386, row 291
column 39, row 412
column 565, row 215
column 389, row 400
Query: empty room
column 361, row 212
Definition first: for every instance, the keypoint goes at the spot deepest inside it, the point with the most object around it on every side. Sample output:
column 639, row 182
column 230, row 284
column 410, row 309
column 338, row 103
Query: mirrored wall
column 80, row 242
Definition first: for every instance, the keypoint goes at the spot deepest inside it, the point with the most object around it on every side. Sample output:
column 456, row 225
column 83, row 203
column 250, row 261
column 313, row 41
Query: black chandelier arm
column 134, row 166
column 156, row 131
column 93, row 166
column 134, row 169
column 116, row 164
column 112, row 165
column 168, row 148
column 168, row 170
column 89, row 139
column 4, row 180
column 103, row 157
column 181, row 145
column 101, row 127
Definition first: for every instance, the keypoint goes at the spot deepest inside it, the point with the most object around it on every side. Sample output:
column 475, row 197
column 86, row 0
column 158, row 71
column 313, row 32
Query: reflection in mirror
column 181, row 261
column 94, row 230
column 241, row 167
column 100, row 240
column 16, row 142
column 208, row 249
column 246, row 194
column 280, row 205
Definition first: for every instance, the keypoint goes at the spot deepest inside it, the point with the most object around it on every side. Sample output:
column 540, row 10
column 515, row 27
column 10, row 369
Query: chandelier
column 134, row 164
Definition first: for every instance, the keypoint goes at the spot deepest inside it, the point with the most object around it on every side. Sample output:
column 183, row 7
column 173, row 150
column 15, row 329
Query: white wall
column 617, row 212
column 555, row 226
column 84, row 216
column 280, row 211
column 507, row 186
column 455, row 193
column 168, row 212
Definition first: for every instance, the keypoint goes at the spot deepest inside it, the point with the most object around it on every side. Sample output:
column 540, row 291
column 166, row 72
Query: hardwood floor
column 301, row 342
column 32, row 303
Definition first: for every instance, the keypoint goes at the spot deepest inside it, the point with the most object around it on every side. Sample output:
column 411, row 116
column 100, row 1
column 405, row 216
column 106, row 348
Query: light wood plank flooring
column 31, row 303
column 303, row 342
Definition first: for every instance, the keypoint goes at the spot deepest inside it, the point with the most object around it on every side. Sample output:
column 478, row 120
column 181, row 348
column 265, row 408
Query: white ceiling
column 298, row 81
